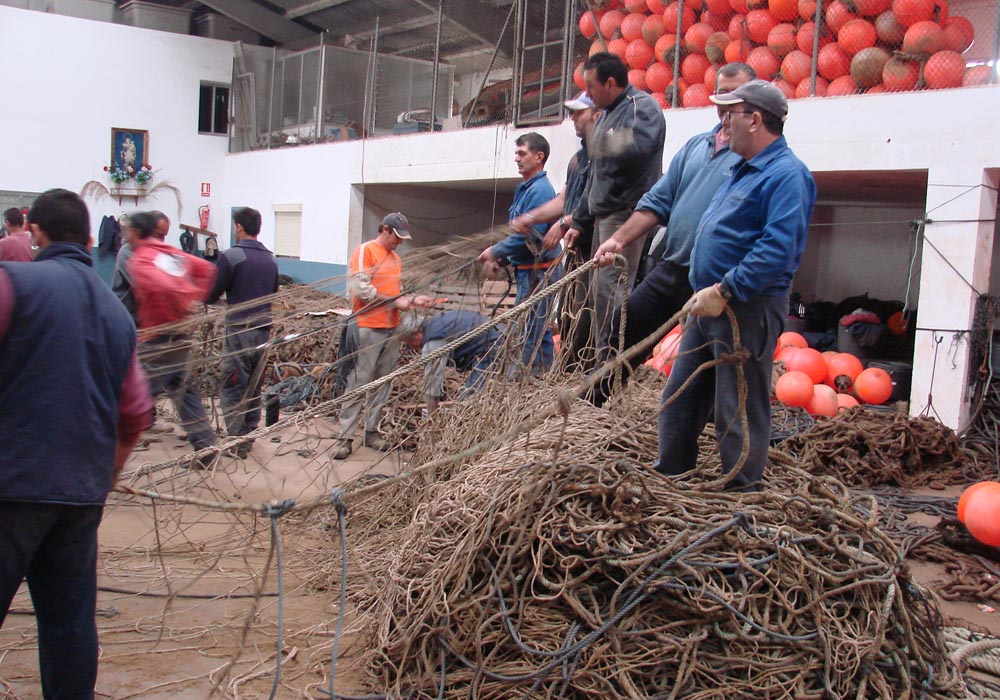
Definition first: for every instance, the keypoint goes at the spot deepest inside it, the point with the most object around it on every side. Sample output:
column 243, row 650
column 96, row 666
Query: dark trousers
column 55, row 548
column 165, row 361
column 244, row 376
column 659, row 296
column 714, row 391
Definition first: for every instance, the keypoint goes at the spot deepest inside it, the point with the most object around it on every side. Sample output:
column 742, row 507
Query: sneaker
column 375, row 441
column 343, row 451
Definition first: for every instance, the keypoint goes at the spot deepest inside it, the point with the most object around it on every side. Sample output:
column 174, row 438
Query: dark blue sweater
column 247, row 271
column 63, row 362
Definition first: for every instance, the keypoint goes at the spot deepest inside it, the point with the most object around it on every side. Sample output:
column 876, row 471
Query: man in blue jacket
column 747, row 249
column 475, row 355
column 74, row 403
column 247, row 272
column 533, row 266
column 677, row 201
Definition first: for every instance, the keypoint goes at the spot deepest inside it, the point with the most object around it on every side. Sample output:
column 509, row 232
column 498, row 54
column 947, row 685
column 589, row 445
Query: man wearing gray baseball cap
column 747, row 248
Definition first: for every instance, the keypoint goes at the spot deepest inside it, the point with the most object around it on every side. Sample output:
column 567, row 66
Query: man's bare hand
column 605, row 254
column 706, row 302
column 552, row 238
column 487, row 256
column 522, row 224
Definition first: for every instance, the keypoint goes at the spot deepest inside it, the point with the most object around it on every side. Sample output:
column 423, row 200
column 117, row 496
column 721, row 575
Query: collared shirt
column 576, row 180
column 530, row 193
column 680, row 198
column 754, row 230
column 246, row 271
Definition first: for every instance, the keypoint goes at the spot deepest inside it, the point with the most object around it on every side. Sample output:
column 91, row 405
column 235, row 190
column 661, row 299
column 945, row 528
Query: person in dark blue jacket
column 534, row 267
column 747, row 248
column 475, row 355
column 74, row 402
column 247, row 273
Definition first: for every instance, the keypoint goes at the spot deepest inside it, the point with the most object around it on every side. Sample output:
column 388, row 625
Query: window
column 213, row 109
column 287, row 230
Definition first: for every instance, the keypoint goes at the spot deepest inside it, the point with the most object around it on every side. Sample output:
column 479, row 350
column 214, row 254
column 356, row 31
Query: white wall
column 76, row 79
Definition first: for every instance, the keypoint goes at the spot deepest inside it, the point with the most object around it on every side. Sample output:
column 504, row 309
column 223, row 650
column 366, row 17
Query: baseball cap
column 758, row 93
column 580, row 102
column 399, row 225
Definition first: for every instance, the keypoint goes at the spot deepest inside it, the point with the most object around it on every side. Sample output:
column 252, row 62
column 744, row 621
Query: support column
column 955, row 265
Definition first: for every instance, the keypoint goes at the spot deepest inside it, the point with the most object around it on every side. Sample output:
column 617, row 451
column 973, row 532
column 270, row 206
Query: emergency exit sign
column 206, row 189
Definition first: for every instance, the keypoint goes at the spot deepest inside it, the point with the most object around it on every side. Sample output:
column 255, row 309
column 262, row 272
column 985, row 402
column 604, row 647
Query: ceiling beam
column 260, row 19
column 469, row 17
column 314, row 6
column 404, row 21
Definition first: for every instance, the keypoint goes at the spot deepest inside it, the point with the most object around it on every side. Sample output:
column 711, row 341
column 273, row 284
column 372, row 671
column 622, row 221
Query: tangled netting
column 530, row 571
column 863, row 448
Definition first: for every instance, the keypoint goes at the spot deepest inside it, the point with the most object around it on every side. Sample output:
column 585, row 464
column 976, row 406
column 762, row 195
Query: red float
column 658, row 76
column 837, row 15
column 759, row 25
column 823, row 402
column 696, row 95
column 924, row 37
column 637, row 78
column 610, row 23
column 959, row 34
column 873, row 386
column 796, row 67
column 963, row 500
column 804, row 38
column 845, row 402
column 639, row 54
column 653, row 29
column 665, row 49
column 982, row 515
column 781, row 39
column 833, row 62
column 977, row 75
column 899, row 75
column 794, row 389
column 715, row 47
column 764, row 62
column 670, row 17
column 909, row 12
column 842, row 86
column 784, row 10
column 856, row 35
column 842, row 368
column 693, row 67
column 631, row 27
column 889, row 30
column 945, row 69
column 867, row 65
column 803, row 88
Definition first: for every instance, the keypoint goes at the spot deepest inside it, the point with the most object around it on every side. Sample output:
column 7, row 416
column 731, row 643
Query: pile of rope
column 864, row 448
column 536, row 568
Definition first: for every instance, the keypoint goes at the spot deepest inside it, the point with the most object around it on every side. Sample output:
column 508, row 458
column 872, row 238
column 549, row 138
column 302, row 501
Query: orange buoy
column 809, row 361
column 794, row 389
column 963, row 501
column 823, row 402
column 873, row 386
column 982, row 515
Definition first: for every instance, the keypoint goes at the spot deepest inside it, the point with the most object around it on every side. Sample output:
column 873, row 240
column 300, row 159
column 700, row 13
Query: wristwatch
column 563, row 225
column 725, row 291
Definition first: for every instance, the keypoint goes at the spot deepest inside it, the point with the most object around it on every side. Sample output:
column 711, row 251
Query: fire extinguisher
column 203, row 213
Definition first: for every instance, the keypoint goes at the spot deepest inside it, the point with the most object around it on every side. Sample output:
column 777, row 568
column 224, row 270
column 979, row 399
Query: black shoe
column 375, row 441
column 243, row 449
column 204, row 462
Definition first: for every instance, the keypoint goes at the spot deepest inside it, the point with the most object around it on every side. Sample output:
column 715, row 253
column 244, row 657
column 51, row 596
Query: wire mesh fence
column 458, row 64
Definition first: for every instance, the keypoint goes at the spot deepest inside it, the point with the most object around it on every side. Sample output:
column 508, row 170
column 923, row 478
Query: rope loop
column 337, row 501
column 275, row 509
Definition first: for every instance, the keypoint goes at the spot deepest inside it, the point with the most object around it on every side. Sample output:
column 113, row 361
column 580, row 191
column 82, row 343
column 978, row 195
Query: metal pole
column 320, row 84
column 493, row 58
column 270, row 102
column 437, row 61
column 996, row 44
column 518, row 61
column 543, row 74
column 677, row 52
column 817, row 28
column 369, row 108
column 568, row 67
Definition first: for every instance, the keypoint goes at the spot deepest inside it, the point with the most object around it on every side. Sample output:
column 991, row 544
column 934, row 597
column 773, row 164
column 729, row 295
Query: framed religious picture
column 129, row 149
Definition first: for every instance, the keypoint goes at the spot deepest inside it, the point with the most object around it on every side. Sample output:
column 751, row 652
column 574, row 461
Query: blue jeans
column 537, row 349
column 239, row 397
column 714, row 391
column 165, row 361
column 55, row 548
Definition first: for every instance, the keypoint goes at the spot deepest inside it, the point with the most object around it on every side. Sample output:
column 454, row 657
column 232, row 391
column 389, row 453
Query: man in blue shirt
column 746, row 251
column 534, row 267
column 677, row 201
column 247, row 272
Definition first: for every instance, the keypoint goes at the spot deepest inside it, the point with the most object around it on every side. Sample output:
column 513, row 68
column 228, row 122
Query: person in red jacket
column 168, row 285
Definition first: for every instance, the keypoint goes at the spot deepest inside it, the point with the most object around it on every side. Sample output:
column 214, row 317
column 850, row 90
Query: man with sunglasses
column 677, row 201
column 747, row 248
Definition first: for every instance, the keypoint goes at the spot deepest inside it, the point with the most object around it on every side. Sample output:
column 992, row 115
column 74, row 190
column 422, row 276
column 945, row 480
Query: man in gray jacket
column 626, row 155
